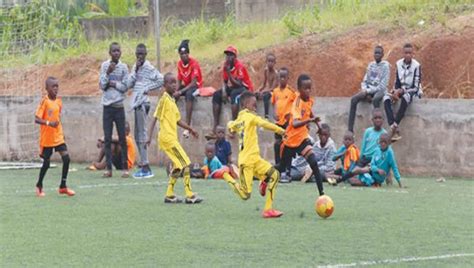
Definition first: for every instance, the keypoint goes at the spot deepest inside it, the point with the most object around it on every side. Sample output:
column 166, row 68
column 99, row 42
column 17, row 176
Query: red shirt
column 186, row 73
column 239, row 72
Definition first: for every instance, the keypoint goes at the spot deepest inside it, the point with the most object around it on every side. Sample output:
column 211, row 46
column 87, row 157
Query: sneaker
column 125, row 174
column 195, row 199
column 66, row 191
column 148, row 174
column 39, row 192
column 271, row 213
column 173, row 199
column 285, row 178
column 186, row 134
column 107, row 174
column 332, row 181
column 396, row 137
column 262, row 188
column 138, row 174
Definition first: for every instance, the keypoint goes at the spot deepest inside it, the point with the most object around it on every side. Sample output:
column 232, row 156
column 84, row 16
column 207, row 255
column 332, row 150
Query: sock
column 274, row 177
column 187, row 183
column 236, row 187
column 66, row 161
column 172, row 182
column 313, row 163
column 42, row 173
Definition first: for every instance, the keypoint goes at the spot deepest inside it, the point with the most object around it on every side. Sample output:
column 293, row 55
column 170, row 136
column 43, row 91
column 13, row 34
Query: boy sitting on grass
column 213, row 168
column 349, row 155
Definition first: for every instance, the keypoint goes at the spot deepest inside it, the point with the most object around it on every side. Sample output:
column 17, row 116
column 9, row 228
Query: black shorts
column 233, row 92
column 291, row 152
column 46, row 152
column 278, row 136
column 189, row 93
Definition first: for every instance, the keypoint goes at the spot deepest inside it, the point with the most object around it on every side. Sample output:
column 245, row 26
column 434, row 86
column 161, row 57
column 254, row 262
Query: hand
column 138, row 64
column 112, row 83
column 177, row 94
column 54, row 124
column 368, row 97
column 316, row 119
column 111, row 67
column 148, row 142
column 194, row 133
column 227, row 68
column 276, row 118
column 381, row 172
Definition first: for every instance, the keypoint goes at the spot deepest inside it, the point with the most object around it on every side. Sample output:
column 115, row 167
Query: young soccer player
column 213, row 168
column 113, row 83
column 371, row 138
column 373, row 86
column 349, row 155
column 297, row 133
column 236, row 81
column 48, row 116
column 250, row 162
column 270, row 81
column 189, row 79
column 167, row 113
column 382, row 162
column 143, row 79
column 407, row 85
column 223, row 147
column 282, row 99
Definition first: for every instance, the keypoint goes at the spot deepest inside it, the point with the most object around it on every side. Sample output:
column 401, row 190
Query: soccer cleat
column 195, row 199
column 39, row 192
column 262, row 188
column 173, row 199
column 66, row 191
column 271, row 213
column 332, row 181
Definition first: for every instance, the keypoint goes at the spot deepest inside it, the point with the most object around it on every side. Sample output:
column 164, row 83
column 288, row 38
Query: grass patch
column 123, row 223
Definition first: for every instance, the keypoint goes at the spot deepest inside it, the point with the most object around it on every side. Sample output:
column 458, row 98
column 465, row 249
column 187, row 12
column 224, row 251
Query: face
column 305, row 89
column 251, row 104
column 408, row 54
column 170, row 84
column 271, row 61
column 140, row 53
column 210, row 151
column 220, row 131
column 184, row 56
column 378, row 54
column 377, row 119
column 348, row 140
column 324, row 136
column 52, row 87
column 384, row 143
column 283, row 76
column 229, row 57
column 115, row 53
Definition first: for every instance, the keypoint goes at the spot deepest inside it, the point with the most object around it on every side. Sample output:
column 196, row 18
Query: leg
column 313, row 163
column 65, row 157
column 267, row 96
column 274, row 177
column 107, row 124
column 232, row 183
column 216, row 108
column 46, row 155
column 234, row 100
column 277, row 148
column 171, row 182
column 401, row 110
column 189, row 104
column 287, row 155
column 246, row 181
column 388, row 110
column 352, row 113
column 141, row 116
column 120, row 123
column 378, row 98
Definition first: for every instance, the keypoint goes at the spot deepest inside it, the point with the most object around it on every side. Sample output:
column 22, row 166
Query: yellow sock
column 187, row 183
column 274, row 178
column 234, row 185
column 171, row 183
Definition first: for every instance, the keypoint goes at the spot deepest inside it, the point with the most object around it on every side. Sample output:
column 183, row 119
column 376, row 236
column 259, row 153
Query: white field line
column 398, row 260
column 381, row 190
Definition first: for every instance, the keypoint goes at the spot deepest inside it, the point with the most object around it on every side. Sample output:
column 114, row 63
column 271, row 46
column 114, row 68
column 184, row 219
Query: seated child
column 223, row 147
column 116, row 152
column 270, row 81
column 382, row 161
column 371, row 138
column 349, row 155
column 213, row 168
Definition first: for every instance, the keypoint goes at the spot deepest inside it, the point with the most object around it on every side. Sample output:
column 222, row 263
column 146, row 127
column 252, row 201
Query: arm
column 297, row 123
column 103, row 77
column 416, row 80
column 192, row 84
column 45, row 122
column 383, row 83
column 264, row 81
column 156, row 81
column 339, row 153
column 329, row 162
column 362, row 146
column 121, row 86
column 193, row 132
column 364, row 85
column 132, row 78
column 268, row 125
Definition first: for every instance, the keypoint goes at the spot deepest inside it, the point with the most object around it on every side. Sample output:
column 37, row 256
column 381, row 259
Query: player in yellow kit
column 167, row 113
column 250, row 162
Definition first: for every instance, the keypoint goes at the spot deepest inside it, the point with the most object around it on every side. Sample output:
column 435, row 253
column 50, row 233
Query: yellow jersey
column 246, row 127
column 167, row 113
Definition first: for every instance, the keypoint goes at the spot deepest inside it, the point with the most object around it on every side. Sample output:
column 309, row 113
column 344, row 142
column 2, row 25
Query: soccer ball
column 324, row 206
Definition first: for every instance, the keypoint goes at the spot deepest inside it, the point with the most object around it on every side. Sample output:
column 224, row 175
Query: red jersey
column 239, row 72
column 186, row 73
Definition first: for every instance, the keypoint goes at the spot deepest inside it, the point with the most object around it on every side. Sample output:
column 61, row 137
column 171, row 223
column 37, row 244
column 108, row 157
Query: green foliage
column 118, row 8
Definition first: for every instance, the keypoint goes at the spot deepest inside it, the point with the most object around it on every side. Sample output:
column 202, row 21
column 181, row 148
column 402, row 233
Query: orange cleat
column 39, row 192
column 66, row 191
column 272, row 213
column 262, row 188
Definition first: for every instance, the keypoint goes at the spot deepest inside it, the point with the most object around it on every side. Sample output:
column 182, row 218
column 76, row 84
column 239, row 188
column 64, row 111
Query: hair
column 246, row 96
column 377, row 110
column 407, row 45
column 49, row 79
column 285, row 69
column 167, row 75
column 378, row 46
column 113, row 44
column 325, row 127
column 270, row 54
column 220, row 127
column 210, row 145
column 385, row 136
column 301, row 78
column 141, row 45
column 349, row 133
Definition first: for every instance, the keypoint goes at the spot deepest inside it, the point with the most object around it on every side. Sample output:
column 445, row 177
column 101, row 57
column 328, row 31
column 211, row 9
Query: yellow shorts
column 259, row 168
column 178, row 156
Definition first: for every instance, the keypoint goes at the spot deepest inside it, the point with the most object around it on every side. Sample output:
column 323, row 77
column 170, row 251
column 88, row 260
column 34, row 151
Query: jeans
column 109, row 116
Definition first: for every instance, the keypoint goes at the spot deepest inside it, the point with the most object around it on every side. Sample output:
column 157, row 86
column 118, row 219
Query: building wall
column 438, row 134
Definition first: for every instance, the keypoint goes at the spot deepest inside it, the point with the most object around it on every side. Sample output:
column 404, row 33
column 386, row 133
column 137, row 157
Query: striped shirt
column 323, row 155
column 376, row 77
column 113, row 96
column 408, row 77
column 147, row 78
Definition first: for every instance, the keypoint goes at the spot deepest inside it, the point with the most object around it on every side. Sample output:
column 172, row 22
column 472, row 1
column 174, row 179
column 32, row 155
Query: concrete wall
column 103, row 28
column 437, row 134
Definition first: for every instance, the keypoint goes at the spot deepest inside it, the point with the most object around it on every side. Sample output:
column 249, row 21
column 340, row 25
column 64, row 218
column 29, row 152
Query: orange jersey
column 301, row 110
column 283, row 99
column 351, row 155
column 50, row 110
column 131, row 153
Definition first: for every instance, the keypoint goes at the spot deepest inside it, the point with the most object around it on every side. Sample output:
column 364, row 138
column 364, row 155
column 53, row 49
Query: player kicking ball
column 168, row 113
column 250, row 162
column 48, row 116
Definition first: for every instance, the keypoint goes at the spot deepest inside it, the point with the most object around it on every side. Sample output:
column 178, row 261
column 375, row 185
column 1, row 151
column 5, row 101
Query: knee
column 354, row 100
column 175, row 173
column 189, row 95
column 267, row 96
column 46, row 163
column 66, row 159
column 311, row 159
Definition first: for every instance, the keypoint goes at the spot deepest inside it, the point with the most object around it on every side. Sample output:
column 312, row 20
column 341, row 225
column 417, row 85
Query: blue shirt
column 384, row 160
column 223, row 150
column 370, row 142
column 213, row 165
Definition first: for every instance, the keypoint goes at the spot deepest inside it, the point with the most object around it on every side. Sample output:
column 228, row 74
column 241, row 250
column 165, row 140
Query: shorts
column 178, row 156
column 260, row 169
column 46, row 152
column 189, row 93
column 233, row 92
column 366, row 179
column 291, row 152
